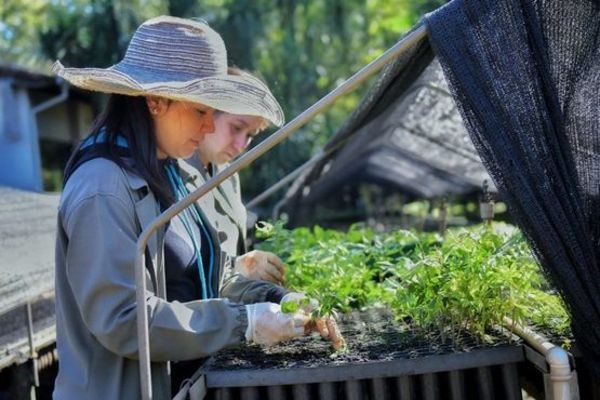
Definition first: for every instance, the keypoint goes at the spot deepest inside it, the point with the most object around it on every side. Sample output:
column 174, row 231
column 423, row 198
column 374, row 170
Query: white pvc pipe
column 560, row 373
column 61, row 97
column 556, row 357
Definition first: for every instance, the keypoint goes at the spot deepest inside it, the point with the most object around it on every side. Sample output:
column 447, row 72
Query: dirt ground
column 370, row 336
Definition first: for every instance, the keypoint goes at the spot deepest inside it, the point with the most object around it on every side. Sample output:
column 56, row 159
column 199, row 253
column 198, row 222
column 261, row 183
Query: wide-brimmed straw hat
column 179, row 59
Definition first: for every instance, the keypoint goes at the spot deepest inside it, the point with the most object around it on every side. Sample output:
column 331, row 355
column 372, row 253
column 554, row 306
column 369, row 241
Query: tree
column 19, row 22
column 301, row 48
column 309, row 48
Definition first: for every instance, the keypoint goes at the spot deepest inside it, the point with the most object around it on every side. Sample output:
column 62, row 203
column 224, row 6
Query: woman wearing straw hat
column 163, row 95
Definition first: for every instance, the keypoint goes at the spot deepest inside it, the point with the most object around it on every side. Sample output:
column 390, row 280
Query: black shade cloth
column 525, row 75
column 406, row 135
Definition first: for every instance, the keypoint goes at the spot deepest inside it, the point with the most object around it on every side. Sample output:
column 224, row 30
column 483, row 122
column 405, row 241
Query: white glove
column 261, row 265
column 307, row 305
column 267, row 325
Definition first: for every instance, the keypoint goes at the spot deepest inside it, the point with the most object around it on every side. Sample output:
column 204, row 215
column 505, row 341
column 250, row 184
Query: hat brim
column 234, row 94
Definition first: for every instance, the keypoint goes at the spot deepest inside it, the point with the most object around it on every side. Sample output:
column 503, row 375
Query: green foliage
column 474, row 280
column 83, row 35
column 19, row 24
column 302, row 49
column 343, row 271
column 305, row 50
column 467, row 281
column 289, row 307
column 292, row 306
column 53, row 179
column 79, row 32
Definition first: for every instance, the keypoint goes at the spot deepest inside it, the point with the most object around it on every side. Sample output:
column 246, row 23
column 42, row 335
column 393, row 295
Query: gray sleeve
column 100, row 271
column 240, row 289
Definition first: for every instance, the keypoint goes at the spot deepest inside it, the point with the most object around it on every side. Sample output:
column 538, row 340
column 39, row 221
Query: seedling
column 467, row 281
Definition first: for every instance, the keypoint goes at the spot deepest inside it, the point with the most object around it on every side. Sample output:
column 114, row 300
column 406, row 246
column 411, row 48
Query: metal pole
column 62, row 96
column 288, row 178
column 32, row 352
column 142, row 318
column 142, row 313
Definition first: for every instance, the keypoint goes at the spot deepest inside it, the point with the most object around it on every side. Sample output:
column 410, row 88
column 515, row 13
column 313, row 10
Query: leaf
column 290, row 307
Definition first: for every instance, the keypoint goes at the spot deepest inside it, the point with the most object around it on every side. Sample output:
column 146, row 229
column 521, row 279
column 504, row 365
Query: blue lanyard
column 102, row 138
column 180, row 192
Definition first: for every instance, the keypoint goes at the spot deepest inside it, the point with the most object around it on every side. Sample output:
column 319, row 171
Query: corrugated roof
column 27, row 234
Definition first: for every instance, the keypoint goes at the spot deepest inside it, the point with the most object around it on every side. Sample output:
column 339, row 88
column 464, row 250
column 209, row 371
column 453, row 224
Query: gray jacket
column 224, row 208
column 102, row 211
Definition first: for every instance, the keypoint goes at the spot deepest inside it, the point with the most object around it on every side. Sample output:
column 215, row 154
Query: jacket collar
column 146, row 208
column 134, row 181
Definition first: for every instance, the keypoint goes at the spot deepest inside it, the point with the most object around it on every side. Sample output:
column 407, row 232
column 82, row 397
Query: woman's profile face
column 233, row 133
column 180, row 126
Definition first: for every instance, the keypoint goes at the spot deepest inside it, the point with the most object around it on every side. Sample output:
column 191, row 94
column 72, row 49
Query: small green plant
column 470, row 283
column 343, row 271
column 467, row 281
column 293, row 306
column 290, row 307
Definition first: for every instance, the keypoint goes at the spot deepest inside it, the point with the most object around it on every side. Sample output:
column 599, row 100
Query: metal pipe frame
column 140, row 271
column 285, row 180
column 32, row 353
column 62, row 96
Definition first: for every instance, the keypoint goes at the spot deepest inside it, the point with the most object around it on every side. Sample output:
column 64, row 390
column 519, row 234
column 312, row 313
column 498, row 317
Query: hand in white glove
column 305, row 304
column 261, row 265
column 267, row 325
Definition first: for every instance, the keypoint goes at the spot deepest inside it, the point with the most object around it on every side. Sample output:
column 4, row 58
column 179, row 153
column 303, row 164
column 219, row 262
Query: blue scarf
column 188, row 216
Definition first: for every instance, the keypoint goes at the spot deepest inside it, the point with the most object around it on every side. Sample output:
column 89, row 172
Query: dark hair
column 130, row 118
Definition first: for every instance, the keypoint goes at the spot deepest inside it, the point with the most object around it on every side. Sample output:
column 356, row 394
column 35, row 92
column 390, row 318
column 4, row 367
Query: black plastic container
column 383, row 363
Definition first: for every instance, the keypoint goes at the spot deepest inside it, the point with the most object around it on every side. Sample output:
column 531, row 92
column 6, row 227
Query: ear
column 157, row 105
